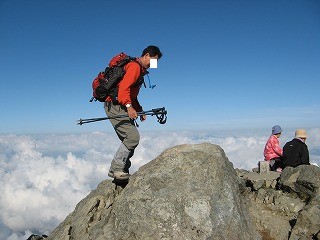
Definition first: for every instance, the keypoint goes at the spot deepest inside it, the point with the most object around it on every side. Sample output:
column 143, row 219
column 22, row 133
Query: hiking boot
column 121, row 175
column 111, row 174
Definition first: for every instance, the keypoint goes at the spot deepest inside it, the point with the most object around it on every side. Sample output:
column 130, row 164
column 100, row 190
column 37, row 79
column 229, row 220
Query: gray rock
column 271, row 224
column 281, row 206
column 93, row 210
column 193, row 192
column 304, row 180
column 188, row 192
column 37, row 237
column 260, row 180
column 288, row 204
column 308, row 223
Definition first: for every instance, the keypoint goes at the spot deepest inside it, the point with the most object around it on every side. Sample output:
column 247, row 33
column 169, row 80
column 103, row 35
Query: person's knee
column 132, row 141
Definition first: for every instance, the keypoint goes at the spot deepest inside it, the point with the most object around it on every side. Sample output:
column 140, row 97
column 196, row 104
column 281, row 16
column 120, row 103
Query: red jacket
column 128, row 89
column 272, row 148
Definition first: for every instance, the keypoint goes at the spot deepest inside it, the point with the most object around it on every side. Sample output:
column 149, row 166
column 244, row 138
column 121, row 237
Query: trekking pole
column 160, row 113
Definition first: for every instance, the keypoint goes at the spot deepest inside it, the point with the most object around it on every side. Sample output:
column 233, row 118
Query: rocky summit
column 193, row 192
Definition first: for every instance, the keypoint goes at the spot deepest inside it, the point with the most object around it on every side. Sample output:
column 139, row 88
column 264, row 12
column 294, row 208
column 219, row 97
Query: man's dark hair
column 152, row 50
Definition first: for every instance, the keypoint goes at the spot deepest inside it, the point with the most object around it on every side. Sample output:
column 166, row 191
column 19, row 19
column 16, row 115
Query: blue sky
column 226, row 64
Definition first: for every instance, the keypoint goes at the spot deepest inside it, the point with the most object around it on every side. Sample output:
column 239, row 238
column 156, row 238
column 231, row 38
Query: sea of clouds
column 43, row 177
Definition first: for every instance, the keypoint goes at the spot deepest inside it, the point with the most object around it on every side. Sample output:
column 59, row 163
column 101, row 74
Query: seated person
column 296, row 151
column 272, row 151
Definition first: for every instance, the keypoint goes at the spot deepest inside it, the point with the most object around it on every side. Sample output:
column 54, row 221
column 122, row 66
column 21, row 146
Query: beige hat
column 301, row 133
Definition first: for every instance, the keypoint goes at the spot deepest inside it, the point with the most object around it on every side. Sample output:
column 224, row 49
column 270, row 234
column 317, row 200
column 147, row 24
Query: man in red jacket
column 127, row 103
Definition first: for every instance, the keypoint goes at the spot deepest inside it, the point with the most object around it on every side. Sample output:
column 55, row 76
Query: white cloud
column 43, row 177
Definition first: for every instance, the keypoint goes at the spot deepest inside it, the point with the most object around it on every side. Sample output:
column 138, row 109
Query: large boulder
column 188, row 192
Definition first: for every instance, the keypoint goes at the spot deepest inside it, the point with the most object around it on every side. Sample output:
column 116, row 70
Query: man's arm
column 305, row 155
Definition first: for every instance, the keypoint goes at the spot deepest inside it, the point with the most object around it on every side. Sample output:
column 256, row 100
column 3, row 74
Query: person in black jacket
column 296, row 151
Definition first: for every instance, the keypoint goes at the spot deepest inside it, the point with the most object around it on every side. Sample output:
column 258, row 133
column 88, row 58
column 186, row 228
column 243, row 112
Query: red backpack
column 106, row 82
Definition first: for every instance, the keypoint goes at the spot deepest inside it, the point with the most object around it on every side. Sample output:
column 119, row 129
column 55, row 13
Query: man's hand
column 143, row 117
column 132, row 113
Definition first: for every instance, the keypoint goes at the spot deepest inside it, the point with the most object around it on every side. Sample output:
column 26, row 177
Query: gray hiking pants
column 128, row 134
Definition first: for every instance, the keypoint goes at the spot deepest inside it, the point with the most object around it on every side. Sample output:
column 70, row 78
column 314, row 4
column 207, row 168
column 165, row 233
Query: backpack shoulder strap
column 143, row 72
